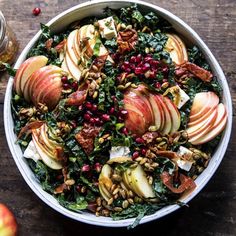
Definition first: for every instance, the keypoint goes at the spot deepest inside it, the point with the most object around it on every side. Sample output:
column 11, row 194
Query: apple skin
column 8, row 224
column 202, row 103
column 215, row 129
column 25, row 71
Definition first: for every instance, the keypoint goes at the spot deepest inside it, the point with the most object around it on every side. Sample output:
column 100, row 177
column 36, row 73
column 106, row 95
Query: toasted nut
column 138, row 159
column 122, row 193
column 130, row 194
column 118, row 27
column 147, row 50
column 116, row 177
column 101, row 140
column 131, row 201
column 123, row 26
column 129, row 27
column 130, row 75
column 118, row 209
column 125, row 204
column 116, row 196
column 134, row 86
column 95, row 94
column 138, row 199
column 165, row 85
column 99, row 208
column 95, row 68
column 150, row 180
column 115, row 191
column 144, row 160
column 105, row 212
column 97, row 213
column 83, row 189
column 121, row 87
column 127, row 84
column 105, row 136
column 144, row 28
column 70, row 182
column 158, row 139
column 152, row 128
column 99, row 201
column 154, row 165
column 110, row 201
column 113, row 187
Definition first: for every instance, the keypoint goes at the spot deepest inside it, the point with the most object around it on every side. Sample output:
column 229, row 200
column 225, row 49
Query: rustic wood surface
column 212, row 212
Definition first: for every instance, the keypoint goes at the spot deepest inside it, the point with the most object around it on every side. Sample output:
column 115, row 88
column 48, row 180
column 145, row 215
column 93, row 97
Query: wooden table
column 212, row 212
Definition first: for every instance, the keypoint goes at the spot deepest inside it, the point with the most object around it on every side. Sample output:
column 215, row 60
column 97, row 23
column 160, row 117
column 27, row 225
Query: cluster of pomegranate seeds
column 68, row 85
column 144, row 65
column 36, row 11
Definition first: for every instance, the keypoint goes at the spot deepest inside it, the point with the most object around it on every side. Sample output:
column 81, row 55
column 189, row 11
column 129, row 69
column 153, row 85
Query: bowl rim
column 104, row 221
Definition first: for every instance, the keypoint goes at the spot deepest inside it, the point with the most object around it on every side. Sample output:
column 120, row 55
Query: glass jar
column 8, row 43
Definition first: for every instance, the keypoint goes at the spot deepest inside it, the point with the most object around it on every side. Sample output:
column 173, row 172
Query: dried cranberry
column 36, row 11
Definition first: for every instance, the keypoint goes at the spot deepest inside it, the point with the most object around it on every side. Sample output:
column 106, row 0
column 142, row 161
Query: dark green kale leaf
column 9, row 69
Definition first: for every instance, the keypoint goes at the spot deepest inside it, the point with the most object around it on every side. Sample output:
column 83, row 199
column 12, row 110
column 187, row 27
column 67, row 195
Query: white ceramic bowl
column 58, row 23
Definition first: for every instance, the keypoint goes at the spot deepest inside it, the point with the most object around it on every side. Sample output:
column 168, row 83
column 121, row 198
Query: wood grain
column 212, row 212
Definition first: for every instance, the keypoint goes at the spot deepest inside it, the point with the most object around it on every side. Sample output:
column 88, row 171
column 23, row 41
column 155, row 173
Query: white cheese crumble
column 31, row 152
column 107, row 28
column 183, row 98
column 184, row 164
column 119, row 151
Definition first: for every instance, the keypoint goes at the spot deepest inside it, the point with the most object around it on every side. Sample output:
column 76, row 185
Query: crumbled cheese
column 186, row 154
column 119, row 151
column 31, row 152
column 107, row 28
column 184, row 165
column 183, row 97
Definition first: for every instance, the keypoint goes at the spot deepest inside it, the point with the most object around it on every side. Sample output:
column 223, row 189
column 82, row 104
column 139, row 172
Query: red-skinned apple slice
column 43, row 86
column 215, row 129
column 168, row 122
column 157, row 111
column 203, row 126
column 202, row 103
column 26, row 70
column 175, row 116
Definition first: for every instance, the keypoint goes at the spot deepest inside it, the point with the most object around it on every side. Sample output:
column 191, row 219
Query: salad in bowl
column 117, row 115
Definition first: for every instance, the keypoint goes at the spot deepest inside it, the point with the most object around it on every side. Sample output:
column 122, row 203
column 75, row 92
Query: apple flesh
column 25, row 71
column 177, row 49
column 8, row 225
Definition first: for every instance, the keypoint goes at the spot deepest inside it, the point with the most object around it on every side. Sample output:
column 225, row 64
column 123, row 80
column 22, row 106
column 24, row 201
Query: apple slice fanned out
column 177, row 49
column 26, row 70
column 207, row 118
column 215, row 129
column 46, row 148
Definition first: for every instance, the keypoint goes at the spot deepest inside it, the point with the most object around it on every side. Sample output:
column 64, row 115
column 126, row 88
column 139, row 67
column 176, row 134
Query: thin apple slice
column 203, row 126
column 215, row 129
column 105, row 175
column 157, row 111
column 104, row 192
column 175, row 116
column 140, row 183
column 26, row 70
column 202, row 103
column 168, row 121
column 50, row 162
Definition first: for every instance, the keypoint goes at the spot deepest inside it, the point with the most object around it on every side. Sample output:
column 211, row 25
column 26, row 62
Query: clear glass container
column 8, row 43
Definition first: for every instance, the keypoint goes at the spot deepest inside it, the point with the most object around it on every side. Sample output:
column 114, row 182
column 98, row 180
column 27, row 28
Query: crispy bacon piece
column 127, row 40
column 199, row 72
column 27, row 129
column 59, row 153
column 61, row 188
column 60, row 46
column 78, row 97
column 48, row 44
column 86, row 137
column 168, row 154
column 186, row 183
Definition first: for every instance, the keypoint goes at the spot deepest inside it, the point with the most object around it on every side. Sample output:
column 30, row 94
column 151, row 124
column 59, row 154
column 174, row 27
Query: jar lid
column 2, row 30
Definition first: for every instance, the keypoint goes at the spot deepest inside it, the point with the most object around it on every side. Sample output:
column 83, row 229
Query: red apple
column 216, row 128
column 202, row 103
column 8, row 225
column 175, row 116
column 26, row 70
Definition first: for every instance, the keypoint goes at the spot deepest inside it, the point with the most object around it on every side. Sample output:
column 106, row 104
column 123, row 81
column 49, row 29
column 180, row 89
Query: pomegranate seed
column 36, row 11
column 64, row 79
column 125, row 131
column 87, row 116
column 157, row 85
column 94, row 107
column 78, row 188
column 139, row 140
column 112, row 110
column 127, row 70
column 152, row 74
column 97, row 121
column 105, row 117
column 66, row 86
column 126, row 64
column 146, row 67
column 165, row 70
column 98, row 167
column 143, row 151
column 120, row 119
column 92, row 120
column 135, row 155
column 164, row 80
column 132, row 66
column 133, row 59
column 88, row 105
column 138, row 70
column 148, row 59
column 74, row 85
column 138, row 58
column 85, row 168
column 154, row 63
